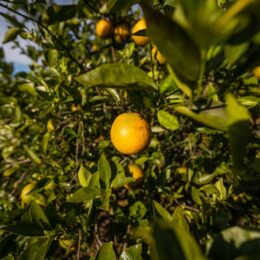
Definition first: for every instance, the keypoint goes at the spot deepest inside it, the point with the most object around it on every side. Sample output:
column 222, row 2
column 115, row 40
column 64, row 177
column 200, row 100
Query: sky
column 13, row 55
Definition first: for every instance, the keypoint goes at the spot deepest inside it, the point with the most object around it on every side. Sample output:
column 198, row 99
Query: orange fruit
column 158, row 56
column 130, row 133
column 104, row 28
column 140, row 40
column 256, row 72
column 137, row 173
column 121, row 33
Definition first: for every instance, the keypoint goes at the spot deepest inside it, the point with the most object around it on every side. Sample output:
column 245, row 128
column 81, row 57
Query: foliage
column 200, row 195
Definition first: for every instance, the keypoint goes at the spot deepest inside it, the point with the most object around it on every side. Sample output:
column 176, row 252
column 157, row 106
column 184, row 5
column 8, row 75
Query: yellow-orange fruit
column 158, row 56
column 137, row 173
column 256, row 72
column 130, row 133
column 104, row 28
column 139, row 40
column 121, row 33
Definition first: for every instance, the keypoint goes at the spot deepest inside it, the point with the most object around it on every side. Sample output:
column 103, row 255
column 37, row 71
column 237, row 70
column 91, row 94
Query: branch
column 48, row 31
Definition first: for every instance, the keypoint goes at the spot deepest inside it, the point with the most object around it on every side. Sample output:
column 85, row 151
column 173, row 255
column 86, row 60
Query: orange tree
column 66, row 191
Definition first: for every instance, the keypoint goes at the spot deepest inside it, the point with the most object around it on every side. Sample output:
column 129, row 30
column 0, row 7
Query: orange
column 140, row 40
column 256, row 72
column 137, row 173
column 121, row 33
column 130, row 133
column 158, row 56
column 104, row 28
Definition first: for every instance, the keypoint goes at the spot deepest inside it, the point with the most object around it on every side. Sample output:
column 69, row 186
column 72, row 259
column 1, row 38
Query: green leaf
column 195, row 194
column 160, row 211
column 236, row 242
column 83, row 194
column 59, row 13
column 137, row 210
column 174, row 43
column 238, row 130
column 234, row 52
column 11, row 34
column 105, row 199
column 172, row 242
column 114, row 6
column 37, row 250
column 106, row 252
column 167, row 120
column 36, row 216
column 84, row 176
column 25, row 229
column 33, row 156
column 104, row 169
column 120, row 180
column 132, row 253
column 117, row 75
column 215, row 117
column 221, row 188
column 179, row 219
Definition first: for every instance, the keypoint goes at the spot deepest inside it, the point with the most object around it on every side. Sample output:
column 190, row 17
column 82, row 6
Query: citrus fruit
column 26, row 195
column 130, row 133
column 256, row 72
column 104, row 28
column 158, row 56
column 136, row 173
column 139, row 40
column 121, row 33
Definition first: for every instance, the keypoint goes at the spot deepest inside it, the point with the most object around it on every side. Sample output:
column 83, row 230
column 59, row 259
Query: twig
column 79, row 242
column 46, row 29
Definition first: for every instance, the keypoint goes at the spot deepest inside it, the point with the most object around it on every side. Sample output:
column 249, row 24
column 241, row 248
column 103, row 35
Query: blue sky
column 13, row 55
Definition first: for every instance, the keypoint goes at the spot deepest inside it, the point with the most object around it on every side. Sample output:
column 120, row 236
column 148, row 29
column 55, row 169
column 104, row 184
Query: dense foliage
column 200, row 195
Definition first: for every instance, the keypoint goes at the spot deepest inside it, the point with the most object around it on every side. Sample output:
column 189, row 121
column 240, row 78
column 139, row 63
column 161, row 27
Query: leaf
column 105, row 199
column 33, row 156
column 234, row 52
column 235, row 242
column 137, row 210
column 11, row 34
column 238, row 131
column 36, row 216
column 120, row 180
column 132, row 253
column 215, row 118
column 179, row 219
column 106, row 252
column 84, row 176
column 59, row 13
column 25, row 229
column 117, row 75
column 160, row 211
column 37, row 250
column 195, row 194
column 104, row 169
column 172, row 242
column 167, row 120
column 174, row 43
column 221, row 188
column 114, row 6
column 83, row 194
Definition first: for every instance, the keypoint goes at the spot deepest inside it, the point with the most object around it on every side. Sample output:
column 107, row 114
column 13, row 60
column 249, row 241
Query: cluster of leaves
column 199, row 198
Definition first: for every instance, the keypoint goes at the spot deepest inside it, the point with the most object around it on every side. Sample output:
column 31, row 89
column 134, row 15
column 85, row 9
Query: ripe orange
column 104, row 28
column 256, row 72
column 140, row 40
column 121, row 33
column 137, row 173
column 130, row 133
column 158, row 56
